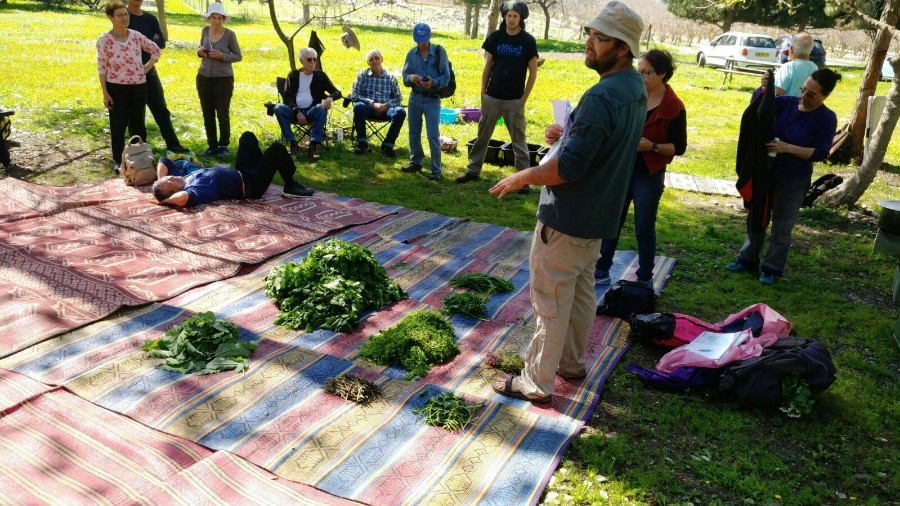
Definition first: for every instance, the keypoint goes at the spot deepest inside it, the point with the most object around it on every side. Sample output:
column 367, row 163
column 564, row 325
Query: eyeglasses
column 312, row 60
column 596, row 38
column 812, row 94
column 648, row 73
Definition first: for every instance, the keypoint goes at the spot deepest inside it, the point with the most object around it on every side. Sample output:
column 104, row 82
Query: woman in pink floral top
column 123, row 77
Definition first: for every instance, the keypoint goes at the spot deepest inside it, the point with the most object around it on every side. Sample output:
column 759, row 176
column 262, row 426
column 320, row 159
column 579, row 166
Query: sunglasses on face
column 312, row 60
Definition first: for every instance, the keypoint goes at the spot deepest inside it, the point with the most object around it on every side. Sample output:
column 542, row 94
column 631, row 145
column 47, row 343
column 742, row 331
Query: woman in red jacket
column 665, row 135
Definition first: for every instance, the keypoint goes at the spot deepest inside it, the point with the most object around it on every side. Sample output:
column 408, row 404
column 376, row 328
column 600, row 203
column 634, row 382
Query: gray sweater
column 228, row 44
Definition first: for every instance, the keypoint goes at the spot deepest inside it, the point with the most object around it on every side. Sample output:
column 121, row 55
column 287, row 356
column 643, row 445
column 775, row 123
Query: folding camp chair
column 375, row 127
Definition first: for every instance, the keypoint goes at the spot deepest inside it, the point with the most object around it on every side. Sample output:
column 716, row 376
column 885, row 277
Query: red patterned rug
column 70, row 256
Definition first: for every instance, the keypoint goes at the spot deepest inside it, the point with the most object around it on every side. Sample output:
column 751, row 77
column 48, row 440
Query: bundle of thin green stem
column 482, row 283
column 353, row 388
column 467, row 304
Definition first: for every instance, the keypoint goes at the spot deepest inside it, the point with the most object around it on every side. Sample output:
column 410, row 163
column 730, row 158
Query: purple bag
column 678, row 380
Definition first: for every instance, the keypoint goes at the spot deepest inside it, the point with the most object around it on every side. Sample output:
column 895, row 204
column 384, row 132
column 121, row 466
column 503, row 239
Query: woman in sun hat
column 215, row 80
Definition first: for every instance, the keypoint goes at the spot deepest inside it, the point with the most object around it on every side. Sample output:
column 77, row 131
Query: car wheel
column 701, row 59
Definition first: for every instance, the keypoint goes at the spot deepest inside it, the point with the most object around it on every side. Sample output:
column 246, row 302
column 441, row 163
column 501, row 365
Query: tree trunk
column 161, row 15
column 546, row 21
column 890, row 15
column 493, row 17
column 475, row 17
column 854, row 187
column 728, row 20
column 468, row 28
column 288, row 41
column 306, row 11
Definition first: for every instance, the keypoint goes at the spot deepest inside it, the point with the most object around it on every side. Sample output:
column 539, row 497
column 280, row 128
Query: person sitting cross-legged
column 308, row 95
column 252, row 176
column 376, row 94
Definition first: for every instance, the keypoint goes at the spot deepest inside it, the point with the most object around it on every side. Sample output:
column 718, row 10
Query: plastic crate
column 493, row 154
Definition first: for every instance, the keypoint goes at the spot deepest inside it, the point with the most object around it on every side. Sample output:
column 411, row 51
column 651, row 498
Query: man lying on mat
column 253, row 172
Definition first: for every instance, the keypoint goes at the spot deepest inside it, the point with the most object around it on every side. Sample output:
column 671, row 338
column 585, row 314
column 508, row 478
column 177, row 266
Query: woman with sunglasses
column 665, row 135
column 215, row 80
column 804, row 129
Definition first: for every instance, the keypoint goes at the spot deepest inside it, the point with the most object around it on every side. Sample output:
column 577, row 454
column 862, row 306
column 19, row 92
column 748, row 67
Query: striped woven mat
column 278, row 417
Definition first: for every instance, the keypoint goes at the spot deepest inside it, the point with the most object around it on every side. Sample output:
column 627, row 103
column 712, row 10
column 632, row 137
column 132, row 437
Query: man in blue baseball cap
column 426, row 71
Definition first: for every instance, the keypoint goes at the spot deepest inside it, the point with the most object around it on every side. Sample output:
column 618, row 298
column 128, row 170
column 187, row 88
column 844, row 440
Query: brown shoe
column 466, row 177
column 411, row 167
column 313, row 151
column 295, row 148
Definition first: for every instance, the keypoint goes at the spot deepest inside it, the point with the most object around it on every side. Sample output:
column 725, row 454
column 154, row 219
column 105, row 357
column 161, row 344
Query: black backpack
column 758, row 381
column 625, row 298
column 450, row 89
column 819, row 187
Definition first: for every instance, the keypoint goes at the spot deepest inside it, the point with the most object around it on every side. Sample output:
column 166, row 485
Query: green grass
column 641, row 446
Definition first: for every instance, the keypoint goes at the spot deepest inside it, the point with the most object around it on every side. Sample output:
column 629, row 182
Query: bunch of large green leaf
column 330, row 288
column 418, row 341
column 203, row 344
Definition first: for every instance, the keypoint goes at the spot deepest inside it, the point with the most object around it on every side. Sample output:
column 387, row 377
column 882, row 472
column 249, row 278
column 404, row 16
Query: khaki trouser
column 513, row 114
column 564, row 301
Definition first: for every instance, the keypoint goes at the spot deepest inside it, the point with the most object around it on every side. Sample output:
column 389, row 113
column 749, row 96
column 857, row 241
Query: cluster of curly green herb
column 447, row 411
column 330, row 288
column 418, row 341
column 203, row 344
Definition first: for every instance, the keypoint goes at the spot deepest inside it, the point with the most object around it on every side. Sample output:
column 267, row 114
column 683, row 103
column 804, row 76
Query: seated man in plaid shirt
column 376, row 94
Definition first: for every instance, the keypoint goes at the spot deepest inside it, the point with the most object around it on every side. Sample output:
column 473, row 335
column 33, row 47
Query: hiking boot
column 767, row 279
column 411, row 168
column 313, row 151
column 296, row 190
column 388, row 151
column 361, row 148
column 223, row 152
column 602, row 277
column 736, row 267
column 209, row 153
column 466, row 177
column 295, row 148
column 435, row 176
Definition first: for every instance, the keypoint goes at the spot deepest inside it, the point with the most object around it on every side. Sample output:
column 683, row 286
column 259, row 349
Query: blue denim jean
column 645, row 190
column 786, row 200
column 430, row 107
column 316, row 116
column 363, row 111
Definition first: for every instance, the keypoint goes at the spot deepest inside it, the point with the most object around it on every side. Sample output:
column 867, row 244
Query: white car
column 887, row 72
column 737, row 49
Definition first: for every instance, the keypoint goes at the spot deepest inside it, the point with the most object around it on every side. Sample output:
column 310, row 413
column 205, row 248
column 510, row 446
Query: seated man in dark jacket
column 252, row 176
column 305, row 102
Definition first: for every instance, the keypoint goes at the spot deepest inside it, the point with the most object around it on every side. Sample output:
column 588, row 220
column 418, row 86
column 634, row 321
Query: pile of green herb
column 203, row 344
column 330, row 288
column 447, row 411
column 509, row 363
column 353, row 388
column 467, row 304
column 418, row 341
column 482, row 283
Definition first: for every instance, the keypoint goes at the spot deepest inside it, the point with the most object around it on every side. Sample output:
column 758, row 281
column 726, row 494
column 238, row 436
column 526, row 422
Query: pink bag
column 773, row 323
column 682, row 357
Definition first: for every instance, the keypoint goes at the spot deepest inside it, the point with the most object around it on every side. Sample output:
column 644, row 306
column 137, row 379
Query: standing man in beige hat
column 582, row 196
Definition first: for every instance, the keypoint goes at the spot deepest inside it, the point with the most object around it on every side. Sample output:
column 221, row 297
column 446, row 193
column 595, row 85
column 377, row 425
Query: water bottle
column 772, row 153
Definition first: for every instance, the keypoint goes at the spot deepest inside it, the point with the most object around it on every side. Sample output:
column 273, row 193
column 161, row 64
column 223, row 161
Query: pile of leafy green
column 447, row 411
column 203, row 344
column 418, row 341
column 468, row 304
column 330, row 288
column 482, row 283
column 509, row 363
